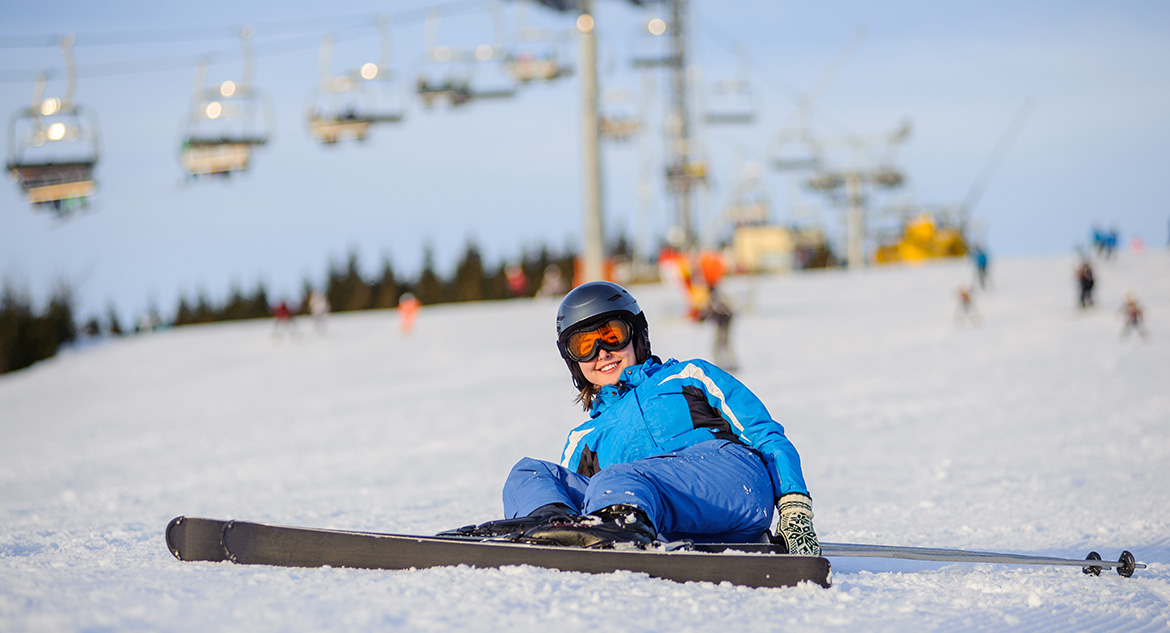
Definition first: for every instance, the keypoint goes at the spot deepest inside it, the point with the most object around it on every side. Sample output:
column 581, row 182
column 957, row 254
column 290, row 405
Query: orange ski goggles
column 611, row 335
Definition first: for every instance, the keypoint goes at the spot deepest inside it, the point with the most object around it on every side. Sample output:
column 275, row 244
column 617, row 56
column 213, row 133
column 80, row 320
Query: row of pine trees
column 27, row 337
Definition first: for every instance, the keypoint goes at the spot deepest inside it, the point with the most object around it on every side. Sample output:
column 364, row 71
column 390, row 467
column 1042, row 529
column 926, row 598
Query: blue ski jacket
column 659, row 408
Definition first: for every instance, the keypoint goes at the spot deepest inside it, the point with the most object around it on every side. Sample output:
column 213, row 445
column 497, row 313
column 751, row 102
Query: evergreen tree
column 25, row 337
column 469, row 276
column 386, row 290
column 205, row 312
column 15, row 318
column 348, row 291
column 185, row 315
column 430, row 289
column 236, row 307
column 115, row 328
column 258, row 307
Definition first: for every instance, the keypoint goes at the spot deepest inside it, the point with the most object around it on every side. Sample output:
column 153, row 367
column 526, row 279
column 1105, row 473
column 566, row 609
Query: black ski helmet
column 592, row 303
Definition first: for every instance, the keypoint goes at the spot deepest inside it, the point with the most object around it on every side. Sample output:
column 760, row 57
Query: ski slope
column 1038, row 431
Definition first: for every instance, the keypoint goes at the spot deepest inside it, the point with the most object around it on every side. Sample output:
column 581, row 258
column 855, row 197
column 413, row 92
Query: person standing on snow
column 1085, row 282
column 672, row 450
column 718, row 309
column 1131, row 310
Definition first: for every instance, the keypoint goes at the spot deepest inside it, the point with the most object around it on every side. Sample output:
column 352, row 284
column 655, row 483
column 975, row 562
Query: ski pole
column 1125, row 565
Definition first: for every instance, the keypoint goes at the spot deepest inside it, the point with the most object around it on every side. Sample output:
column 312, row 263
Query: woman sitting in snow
column 672, row 450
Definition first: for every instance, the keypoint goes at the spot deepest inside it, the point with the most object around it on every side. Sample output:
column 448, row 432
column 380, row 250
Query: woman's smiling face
column 606, row 368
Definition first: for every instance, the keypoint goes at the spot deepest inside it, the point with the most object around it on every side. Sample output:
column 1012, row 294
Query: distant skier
column 283, row 321
column 672, row 450
column 966, row 310
column 979, row 255
column 319, row 308
column 718, row 309
column 517, row 280
column 553, row 283
column 1134, row 317
column 408, row 308
column 1085, row 282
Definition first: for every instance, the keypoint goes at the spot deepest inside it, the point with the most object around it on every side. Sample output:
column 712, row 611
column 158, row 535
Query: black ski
column 752, row 564
column 194, row 539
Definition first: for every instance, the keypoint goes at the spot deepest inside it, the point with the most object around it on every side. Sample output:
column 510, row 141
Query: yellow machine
column 922, row 238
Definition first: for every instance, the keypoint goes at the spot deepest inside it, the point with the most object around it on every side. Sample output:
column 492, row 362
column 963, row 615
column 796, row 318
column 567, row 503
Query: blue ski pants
column 714, row 491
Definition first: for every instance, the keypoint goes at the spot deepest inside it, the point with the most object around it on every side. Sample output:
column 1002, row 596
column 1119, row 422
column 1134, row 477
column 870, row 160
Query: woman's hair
column 588, row 391
column 586, row 396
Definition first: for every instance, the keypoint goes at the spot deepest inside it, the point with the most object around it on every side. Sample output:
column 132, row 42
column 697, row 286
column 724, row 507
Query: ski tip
column 195, row 539
column 171, row 535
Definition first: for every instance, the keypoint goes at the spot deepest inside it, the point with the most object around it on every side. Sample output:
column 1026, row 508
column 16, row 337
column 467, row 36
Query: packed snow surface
column 1037, row 431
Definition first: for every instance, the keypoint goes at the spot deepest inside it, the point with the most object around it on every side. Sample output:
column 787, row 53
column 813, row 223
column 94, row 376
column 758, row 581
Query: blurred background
column 176, row 157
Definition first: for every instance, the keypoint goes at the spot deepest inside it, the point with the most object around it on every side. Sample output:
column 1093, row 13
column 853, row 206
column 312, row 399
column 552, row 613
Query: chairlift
column 538, row 53
column 53, row 147
column 446, row 75
column 688, row 171
column 618, row 118
column 750, row 204
column 527, row 66
column 794, row 149
column 825, row 181
column 226, row 123
column 887, row 177
column 651, row 45
column 349, row 104
column 730, row 101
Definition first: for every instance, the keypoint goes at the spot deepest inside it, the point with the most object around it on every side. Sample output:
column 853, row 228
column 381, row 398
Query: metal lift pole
column 681, row 116
column 593, row 234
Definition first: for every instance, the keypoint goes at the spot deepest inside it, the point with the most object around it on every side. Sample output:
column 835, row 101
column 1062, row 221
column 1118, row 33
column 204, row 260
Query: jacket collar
column 632, row 377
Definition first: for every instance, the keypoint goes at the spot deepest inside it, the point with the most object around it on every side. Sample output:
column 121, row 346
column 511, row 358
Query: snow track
column 1037, row 432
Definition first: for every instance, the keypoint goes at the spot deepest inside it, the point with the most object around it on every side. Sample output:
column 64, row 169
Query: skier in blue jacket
column 672, row 450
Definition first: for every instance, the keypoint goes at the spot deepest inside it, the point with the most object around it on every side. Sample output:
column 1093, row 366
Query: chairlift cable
column 167, row 36
column 1005, row 142
column 302, row 41
column 730, row 44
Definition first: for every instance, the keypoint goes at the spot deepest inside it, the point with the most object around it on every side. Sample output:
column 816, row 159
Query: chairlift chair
column 53, row 147
column 528, row 66
column 348, row 105
column 537, row 54
column 686, row 174
column 651, row 45
column 226, row 123
column 220, row 137
column 618, row 118
column 446, row 73
column 730, row 103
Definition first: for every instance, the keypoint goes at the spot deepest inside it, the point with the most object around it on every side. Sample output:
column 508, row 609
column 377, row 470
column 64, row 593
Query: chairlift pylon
column 348, row 105
column 53, row 146
column 226, row 122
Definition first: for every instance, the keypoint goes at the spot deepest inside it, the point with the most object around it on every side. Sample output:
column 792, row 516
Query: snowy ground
column 1039, row 432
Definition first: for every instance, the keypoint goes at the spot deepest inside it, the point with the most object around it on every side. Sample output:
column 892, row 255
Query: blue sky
column 506, row 174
